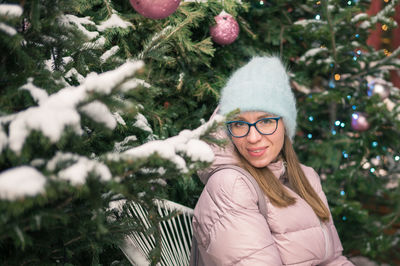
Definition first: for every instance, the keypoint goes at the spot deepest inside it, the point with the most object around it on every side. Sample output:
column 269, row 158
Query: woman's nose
column 253, row 135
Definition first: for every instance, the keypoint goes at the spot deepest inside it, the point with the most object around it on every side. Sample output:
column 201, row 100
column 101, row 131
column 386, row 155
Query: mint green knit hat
column 261, row 85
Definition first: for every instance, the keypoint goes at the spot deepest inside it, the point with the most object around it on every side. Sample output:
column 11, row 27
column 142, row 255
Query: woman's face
column 259, row 150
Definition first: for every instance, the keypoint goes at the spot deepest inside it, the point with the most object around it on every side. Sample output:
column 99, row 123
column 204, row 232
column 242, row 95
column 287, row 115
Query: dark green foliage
column 183, row 74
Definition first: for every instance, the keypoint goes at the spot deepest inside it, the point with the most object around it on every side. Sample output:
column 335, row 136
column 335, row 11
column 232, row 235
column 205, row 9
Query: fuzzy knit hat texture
column 261, row 85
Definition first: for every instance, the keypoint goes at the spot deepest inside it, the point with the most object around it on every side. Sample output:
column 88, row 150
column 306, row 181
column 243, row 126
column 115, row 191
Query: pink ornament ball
column 155, row 9
column 226, row 29
column 359, row 122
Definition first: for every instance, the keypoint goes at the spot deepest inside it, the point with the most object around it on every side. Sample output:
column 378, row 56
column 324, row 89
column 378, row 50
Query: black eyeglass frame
column 253, row 124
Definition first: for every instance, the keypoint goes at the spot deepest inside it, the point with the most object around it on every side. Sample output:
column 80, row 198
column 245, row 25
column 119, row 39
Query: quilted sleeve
column 229, row 226
column 338, row 259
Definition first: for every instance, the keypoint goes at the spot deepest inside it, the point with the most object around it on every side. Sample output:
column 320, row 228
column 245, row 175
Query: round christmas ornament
column 226, row 29
column 155, row 9
column 378, row 88
column 359, row 121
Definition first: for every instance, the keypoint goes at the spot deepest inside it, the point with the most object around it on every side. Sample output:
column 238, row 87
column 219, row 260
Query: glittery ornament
column 378, row 88
column 155, row 9
column 359, row 121
column 226, row 29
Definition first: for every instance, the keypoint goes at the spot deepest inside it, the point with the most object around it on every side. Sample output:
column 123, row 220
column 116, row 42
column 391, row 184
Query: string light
column 348, row 97
column 342, row 193
column 344, row 218
column 374, row 144
column 342, row 124
column 333, row 132
column 332, row 84
column 337, row 123
column 311, row 118
column 387, row 53
column 337, row 76
column 345, row 154
column 353, row 107
column 357, row 35
column 317, row 17
column 397, row 158
column 349, row 3
column 372, row 170
column 384, row 27
column 309, row 136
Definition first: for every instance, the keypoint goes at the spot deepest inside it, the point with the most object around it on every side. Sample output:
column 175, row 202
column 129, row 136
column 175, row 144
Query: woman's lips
column 256, row 152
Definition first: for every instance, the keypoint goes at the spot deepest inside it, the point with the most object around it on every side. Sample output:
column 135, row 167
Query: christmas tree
column 102, row 102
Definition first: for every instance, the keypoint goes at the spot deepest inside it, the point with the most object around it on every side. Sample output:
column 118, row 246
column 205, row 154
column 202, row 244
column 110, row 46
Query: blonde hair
column 276, row 191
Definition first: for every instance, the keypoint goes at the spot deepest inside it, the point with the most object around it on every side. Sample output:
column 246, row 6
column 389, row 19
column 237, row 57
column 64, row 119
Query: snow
column 105, row 82
column 80, row 169
column 74, row 73
column 7, row 29
column 120, row 146
column 357, row 18
column 109, row 53
column 97, row 44
column 50, row 62
column 312, row 52
column 187, row 142
column 142, row 123
column 50, row 121
column 198, row 150
column 159, row 181
column 21, row 181
column 59, row 110
column 3, row 139
column 10, row 10
column 38, row 94
column 79, row 22
column 119, row 119
column 305, row 22
column 133, row 83
column 100, row 113
column 365, row 24
column 113, row 22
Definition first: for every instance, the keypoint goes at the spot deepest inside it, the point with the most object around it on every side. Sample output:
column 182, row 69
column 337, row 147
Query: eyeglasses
column 264, row 126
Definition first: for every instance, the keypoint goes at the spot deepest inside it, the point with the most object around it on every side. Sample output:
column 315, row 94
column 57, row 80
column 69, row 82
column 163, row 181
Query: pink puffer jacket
column 230, row 230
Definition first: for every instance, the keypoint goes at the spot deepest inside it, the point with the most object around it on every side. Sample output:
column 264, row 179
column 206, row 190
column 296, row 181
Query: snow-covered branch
column 59, row 109
column 187, row 143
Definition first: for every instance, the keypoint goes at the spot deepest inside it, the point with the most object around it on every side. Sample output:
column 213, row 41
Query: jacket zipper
column 327, row 241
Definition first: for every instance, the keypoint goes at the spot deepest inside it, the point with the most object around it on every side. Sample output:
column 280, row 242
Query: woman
column 228, row 225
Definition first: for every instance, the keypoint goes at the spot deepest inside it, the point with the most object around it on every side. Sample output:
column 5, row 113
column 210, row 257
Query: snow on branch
column 100, row 113
column 142, row 123
column 21, row 181
column 79, row 170
column 7, row 29
column 79, row 22
column 187, row 143
column 112, row 51
column 105, row 82
column 38, row 94
column 306, row 22
column 382, row 17
column 312, row 52
column 11, row 10
column 59, row 109
column 114, row 22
